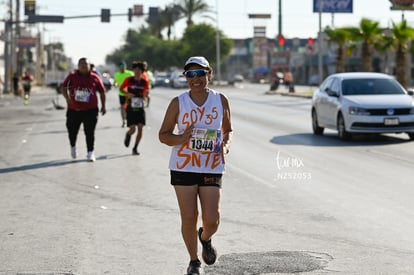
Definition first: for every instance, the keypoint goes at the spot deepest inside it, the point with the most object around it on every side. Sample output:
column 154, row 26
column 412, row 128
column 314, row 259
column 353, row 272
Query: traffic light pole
column 10, row 41
column 280, row 18
column 320, row 60
column 7, row 64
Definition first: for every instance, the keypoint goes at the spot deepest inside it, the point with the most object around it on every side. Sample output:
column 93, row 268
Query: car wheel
column 411, row 135
column 317, row 130
column 342, row 133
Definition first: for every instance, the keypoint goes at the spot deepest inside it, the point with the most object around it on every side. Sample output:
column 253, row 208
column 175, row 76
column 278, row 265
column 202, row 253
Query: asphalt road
column 292, row 202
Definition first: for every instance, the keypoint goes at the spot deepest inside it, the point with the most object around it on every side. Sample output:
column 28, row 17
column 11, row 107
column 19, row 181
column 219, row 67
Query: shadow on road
column 55, row 163
column 270, row 262
column 328, row 140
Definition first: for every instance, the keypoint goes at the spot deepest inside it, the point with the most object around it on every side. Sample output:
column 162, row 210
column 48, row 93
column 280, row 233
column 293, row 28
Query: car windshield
column 370, row 86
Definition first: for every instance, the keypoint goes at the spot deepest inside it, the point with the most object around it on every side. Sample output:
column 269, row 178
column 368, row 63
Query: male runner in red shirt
column 80, row 90
column 136, row 92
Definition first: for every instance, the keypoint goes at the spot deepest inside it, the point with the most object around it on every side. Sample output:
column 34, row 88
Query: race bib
column 137, row 102
column 82, row 95
column 205, row 140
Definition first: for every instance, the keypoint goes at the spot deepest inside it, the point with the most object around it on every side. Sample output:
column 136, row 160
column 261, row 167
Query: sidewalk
column 300, row 91
column 39, row 92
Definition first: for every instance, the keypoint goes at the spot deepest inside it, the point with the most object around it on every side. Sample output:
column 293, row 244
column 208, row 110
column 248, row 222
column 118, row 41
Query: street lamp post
column 280, row 18
column 320, row 60
column 218, row 61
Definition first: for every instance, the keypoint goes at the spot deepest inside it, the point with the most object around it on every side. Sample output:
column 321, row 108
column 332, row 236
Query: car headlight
column 357, row 111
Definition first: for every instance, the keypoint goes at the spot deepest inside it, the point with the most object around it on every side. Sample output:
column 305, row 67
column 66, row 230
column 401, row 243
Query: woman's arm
column 226, row 125
column 166, row 134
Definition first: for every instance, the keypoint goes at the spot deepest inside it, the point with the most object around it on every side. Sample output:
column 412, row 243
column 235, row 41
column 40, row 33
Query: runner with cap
column 197, row 161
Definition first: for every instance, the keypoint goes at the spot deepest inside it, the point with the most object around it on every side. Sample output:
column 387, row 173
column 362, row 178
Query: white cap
column 199, row 60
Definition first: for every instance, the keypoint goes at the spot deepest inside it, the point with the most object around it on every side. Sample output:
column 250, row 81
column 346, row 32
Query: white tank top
column 201, row 154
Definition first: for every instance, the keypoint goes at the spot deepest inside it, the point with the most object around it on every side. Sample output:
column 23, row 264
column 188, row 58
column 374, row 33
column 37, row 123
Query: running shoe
column 135, row 151
column 127, row 139
column 194, row 267
column 91, row 156
column 209, row 252
column 73, row 152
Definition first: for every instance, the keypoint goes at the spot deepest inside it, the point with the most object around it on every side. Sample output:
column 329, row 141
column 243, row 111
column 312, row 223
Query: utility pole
column 218, row 61
column 320, row 60
column 17, row 54
column 8, row 50
column 6, row 57
column 280, row 19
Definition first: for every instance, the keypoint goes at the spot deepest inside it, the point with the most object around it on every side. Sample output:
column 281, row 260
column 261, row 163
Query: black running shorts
column 135, row 117
column 200, row 179
column 122, row 100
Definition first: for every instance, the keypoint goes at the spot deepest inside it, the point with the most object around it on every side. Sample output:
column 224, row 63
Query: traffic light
column 281, row 41
column 105, row 15
column 29, row 7
column 309, row 46
column 129, row 15
column 153, row 14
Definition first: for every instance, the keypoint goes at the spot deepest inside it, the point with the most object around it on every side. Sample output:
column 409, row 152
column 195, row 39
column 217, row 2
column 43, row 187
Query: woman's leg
column 187, row 202
column 210, row 210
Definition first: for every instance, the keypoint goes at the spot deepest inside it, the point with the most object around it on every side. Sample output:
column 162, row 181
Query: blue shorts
column 200, row 179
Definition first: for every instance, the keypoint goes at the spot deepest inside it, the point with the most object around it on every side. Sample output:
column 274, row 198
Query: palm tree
column 369, row 33
column 341, row 37
column 189, row 8
column 399, row 40
column 156, row 25
column 170, row 15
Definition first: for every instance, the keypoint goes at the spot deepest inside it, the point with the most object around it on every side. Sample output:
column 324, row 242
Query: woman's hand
column 187, row 133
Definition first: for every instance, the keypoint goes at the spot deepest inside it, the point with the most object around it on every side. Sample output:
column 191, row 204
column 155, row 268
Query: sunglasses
column 193, row 73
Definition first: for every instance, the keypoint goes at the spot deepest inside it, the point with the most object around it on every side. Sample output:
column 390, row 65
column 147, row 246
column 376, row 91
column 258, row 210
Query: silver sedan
column 362, row 103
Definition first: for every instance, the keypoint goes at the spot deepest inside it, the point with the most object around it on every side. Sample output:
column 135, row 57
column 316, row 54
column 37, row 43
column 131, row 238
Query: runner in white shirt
column 197, row 162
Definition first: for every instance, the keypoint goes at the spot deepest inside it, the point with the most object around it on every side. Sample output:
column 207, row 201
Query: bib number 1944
column 205, row 140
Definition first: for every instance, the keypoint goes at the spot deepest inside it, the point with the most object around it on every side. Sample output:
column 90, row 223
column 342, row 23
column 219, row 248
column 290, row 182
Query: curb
column 288, row 94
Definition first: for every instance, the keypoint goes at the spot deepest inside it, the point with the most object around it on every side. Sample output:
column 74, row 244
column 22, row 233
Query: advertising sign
column 26, row 42
column 402, row 4
column 333, row 6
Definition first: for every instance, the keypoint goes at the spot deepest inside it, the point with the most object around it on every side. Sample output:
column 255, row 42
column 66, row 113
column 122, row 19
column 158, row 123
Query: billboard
column 402, row 4
column 333, row 6
column 26, row 42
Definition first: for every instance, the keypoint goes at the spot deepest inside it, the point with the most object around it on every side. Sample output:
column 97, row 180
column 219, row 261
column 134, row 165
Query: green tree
column 156, row 25
column 399, row 40
column 159, row 54
column 369, row 34
column 189, row 8
column 340, row 37
column 170, row 15
column 200, row 39
column 166, row 18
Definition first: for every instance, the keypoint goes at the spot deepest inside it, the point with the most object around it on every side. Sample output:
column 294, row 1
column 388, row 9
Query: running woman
column 197, row 160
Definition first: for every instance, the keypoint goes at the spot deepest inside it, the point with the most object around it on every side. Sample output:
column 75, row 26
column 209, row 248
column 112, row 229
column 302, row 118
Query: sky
column 93, row 39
